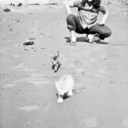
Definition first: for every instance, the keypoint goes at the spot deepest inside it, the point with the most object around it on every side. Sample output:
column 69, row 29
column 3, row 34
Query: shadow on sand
column 83, row 39
column 65, row 96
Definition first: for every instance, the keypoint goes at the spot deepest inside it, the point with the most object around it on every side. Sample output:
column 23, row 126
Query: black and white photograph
column 63, row 63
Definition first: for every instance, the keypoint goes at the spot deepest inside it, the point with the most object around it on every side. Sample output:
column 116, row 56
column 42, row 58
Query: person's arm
column 105, row 16
column 72, row 3
column 67, row 6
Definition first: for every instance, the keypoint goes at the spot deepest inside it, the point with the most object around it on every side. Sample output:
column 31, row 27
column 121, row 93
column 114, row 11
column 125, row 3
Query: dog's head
column 54, row 60
column 60, row 87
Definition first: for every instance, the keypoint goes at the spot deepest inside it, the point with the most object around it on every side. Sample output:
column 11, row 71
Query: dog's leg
column 60, row 99
column 70, row 93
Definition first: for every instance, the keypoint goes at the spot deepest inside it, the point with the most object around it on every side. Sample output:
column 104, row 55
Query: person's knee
column 105, row 33
column 108, row 32
column 70, row 18
column 71, row 24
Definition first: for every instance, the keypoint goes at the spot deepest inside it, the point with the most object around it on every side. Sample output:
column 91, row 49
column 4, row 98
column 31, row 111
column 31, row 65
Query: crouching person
column 86, row 21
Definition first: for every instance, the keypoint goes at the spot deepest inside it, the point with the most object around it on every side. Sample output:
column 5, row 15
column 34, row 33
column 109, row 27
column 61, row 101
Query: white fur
column 64, row 85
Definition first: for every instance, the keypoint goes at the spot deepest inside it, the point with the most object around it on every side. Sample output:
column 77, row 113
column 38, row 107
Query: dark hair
column 95, row 3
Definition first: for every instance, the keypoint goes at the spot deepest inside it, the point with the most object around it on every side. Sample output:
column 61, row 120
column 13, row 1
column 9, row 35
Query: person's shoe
column 96, row 39
column 90, row 38
column 73, row 41
column 93, row 38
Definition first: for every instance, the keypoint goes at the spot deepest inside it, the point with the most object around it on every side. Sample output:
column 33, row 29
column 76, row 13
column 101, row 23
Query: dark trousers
column 73, row 23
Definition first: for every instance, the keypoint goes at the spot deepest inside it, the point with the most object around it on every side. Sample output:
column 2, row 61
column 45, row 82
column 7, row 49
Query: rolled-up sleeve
column 103, row 9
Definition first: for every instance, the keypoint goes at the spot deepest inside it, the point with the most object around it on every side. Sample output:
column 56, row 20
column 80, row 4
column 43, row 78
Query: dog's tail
column 58, row 53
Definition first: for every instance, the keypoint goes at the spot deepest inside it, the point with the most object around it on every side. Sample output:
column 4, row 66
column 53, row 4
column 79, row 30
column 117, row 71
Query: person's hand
column 73, row 39
column 101, row 23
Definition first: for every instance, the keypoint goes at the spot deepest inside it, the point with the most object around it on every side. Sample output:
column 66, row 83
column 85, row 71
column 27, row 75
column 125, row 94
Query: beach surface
column 27, row 83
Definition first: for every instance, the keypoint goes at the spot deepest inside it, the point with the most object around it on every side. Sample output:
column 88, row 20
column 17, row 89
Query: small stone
column 28, row 42
column 7, row 10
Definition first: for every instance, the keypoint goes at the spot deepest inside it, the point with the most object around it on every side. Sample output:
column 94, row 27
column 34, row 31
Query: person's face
column 90, row 0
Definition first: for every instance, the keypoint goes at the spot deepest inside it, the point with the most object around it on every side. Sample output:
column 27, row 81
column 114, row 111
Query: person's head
column 95, row 3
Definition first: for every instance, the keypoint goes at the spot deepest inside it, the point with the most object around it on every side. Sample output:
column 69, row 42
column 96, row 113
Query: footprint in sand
column 92, row 60
column 37, row 79
column 16, row 56
column 48, row 107
column 71, row 66
column 9, row 86
column 22, row 67
column 5, row 51
column 125, row 121
column 103, row 70
column 36, row 82
column 80, row 71
column 29, row 108
column 37, row 75
column 78, row 88
column 90, row 122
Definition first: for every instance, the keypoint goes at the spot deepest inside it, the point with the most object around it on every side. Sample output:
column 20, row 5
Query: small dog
column 65, row 87
column 56, row 64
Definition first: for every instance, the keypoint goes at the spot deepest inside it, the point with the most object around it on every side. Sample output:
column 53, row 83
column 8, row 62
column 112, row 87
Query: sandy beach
column 27, row 89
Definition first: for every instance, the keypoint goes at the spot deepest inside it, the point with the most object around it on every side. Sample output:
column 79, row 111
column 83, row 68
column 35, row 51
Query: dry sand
column 27, row 91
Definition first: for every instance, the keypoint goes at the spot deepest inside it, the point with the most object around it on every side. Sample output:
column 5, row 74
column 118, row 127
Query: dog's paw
column 60, row 100
column 70, row 93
